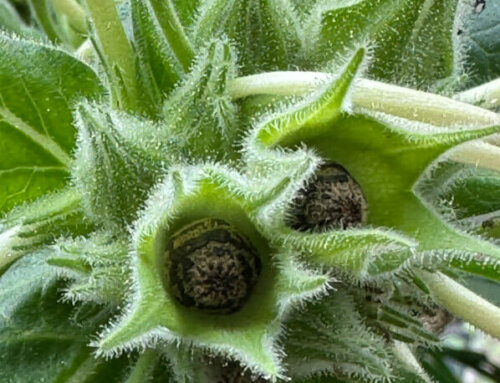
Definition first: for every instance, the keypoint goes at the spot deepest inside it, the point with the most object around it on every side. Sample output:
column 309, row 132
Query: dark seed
column 333, row 200
column 232, row 372
column 212, row 267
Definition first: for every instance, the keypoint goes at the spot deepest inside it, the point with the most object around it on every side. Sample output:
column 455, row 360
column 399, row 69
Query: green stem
column 373, row 96
column 74, row 12
column 463, row 303
column 116, row 52
column 174, row 31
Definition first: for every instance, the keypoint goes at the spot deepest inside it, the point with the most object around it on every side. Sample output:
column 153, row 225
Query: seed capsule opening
column 333, row 200
column 212, row 267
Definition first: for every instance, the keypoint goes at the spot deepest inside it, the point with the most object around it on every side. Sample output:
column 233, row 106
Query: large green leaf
column 37, row 340
column 38, row 85
column 43, row 339
column 481, row 37
column 412, row 39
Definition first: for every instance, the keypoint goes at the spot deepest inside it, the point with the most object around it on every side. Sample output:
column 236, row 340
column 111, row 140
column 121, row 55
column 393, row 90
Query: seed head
column 333, row 200
column 212, row 267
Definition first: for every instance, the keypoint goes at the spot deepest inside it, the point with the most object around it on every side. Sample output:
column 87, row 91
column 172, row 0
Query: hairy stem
column 116, row 52
column 478, row 153
column 486, row 95
column 74, row 12
column 370, row 95
column 463, row 303
column 404, row 354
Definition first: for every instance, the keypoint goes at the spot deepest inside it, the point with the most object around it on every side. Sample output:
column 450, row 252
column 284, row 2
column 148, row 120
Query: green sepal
column 266, row 33
column 359, row 253
column 317, row 111
column 203, row 119
column 29, row 227
column 413, row 40
column 114, row 168
column 39, row 85
column 159, row 68
column 385, row 154
column 249, row 335
column 97, row 267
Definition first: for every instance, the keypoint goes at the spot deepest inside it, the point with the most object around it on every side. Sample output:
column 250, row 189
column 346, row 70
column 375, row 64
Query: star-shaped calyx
column 386, row 152
column 207, row 275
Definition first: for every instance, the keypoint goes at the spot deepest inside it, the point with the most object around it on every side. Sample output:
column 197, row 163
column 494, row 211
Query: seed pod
column 212, row 267
column 334, row 200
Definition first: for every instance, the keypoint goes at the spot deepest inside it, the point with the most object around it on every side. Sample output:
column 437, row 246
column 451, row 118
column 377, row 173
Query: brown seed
column 333, row 200
column 212, row 267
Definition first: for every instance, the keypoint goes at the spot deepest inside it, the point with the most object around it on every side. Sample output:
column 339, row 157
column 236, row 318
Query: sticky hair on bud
column 333, row 200
column 211, row 266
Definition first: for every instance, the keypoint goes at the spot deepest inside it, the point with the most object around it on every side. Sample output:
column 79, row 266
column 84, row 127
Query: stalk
column 486, row 95
column 478, row 153
column 463, row 303
column 116, row 52
column 370, row 95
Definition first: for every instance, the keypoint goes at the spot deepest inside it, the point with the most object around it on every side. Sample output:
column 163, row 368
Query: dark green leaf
column 42, row 339
column 38, row 85
column 481, row 37
column 412, row 39
column 479, row 193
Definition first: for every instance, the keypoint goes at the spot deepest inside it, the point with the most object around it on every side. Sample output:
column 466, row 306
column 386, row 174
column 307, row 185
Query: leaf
column 412, row 40
column 265, row 31
column 477, row 193
column 45, row 340
column 38, row 86
column 485, row 288
column 481, row 40
column 330, row 338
